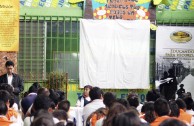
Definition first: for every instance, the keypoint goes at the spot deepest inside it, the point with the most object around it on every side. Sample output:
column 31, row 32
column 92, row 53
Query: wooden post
column 66, row 82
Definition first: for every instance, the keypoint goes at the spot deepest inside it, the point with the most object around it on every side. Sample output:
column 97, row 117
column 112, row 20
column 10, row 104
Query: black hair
column 123, row 102
column 148, row 109
column 189, row 102
column 172, row 122
column 161, row 107
column 133, row 100
column 43, row 91
column 60, row 115
column 11, row 101
column 3, row 108
column 54, row 96
column 9, row 63
column 42, row 102
column 88, row 86
column 36, row 84
column 40, row 112
column 43, row 119
column 53, row 105
column 114, row 110
column 4, row 96
column 95, row 93
column 109, row 99
column 126, row 119
column 61, row 95
column 32, row 89
column 174, row 109
column 64, row 105
column 7, row 87
column 153, row 95
column 181, row 104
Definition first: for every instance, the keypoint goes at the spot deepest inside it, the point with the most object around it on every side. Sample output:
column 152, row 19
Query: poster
column 175, row 51
column 121, row 9
column 175, row 11
column 50, row 3
column 9, row 25
column 115, row 55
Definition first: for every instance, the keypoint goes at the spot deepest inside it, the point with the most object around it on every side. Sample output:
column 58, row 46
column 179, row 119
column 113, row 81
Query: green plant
column 56, row 80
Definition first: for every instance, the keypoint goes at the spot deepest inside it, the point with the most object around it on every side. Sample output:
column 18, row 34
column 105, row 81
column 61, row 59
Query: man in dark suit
column 12, row 79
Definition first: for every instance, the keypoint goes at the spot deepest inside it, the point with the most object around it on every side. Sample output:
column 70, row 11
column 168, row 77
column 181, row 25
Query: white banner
column 114, row 54
column 175, row 51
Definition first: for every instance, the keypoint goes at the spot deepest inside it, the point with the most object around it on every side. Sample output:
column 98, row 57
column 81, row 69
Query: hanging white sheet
column 114, row 54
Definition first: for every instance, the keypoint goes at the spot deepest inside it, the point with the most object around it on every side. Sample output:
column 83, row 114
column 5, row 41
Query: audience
column 153, row 95
column 134, row 101
column 41, row 91
column 65, row 105
column 96, row 95
column 174, row 109
column 114, row 110
column 9, row 89
column 147, row 112
column 172, row 122
column 189, row 104
column 43, row 118
column 126, row 119
column 49, row 108
column 109, row 100
column 96, row 116
column 29, row 99
column 162, row 111
column 123, row 102
column 4, row 121
column 61, row 115
column 183, row 115
column 12, row 115
column 54, row 96
column 41, row 102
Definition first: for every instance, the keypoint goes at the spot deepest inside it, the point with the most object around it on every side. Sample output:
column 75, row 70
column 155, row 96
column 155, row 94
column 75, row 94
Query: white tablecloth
column 77, row 112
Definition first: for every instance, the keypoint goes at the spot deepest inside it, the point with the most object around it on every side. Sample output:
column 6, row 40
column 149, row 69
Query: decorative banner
column 121, row 9
column 175, row 53
column 9, row 25
column 115, row 55
column 177, row 11
column 51, row 3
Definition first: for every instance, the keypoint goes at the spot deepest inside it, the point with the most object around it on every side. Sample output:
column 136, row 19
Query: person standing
column 12, row 79
column 172, row 85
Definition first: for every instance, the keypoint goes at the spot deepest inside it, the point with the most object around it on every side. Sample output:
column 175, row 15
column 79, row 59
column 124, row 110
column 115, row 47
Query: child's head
column 182, row 85
column 87, row 89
